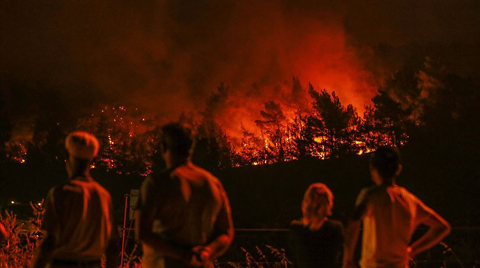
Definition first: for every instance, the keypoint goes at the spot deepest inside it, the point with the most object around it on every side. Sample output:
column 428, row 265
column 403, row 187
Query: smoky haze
column 166, row 57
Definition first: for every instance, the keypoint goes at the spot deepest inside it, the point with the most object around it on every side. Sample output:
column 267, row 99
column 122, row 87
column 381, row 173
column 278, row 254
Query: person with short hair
column 183, row 216
column 78, row 221
column 316, row 240
column 390, row 215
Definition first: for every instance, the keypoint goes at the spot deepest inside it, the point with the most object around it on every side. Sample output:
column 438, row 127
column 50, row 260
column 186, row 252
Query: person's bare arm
column 439, row 228
column 352, row 230
column 44, row 252
column 223, row 229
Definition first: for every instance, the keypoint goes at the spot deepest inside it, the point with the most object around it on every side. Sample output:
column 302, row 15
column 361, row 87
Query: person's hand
column 410, row 253
column 204, row 254
column 192, row 259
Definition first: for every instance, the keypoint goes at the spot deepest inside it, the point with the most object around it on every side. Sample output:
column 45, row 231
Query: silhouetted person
column 390, row 215
column 183, row 217
column 316, row 241
column 78, row 218
column 3, row 233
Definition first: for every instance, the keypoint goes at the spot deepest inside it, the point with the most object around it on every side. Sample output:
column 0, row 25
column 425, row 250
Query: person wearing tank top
column 390, row 215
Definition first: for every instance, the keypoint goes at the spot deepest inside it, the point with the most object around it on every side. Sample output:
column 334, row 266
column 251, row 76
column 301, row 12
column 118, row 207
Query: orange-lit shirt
column 79, row 216
column 186, row 203
column 391, row 215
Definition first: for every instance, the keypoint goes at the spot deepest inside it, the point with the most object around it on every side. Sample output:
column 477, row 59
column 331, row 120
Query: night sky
column 166, row 57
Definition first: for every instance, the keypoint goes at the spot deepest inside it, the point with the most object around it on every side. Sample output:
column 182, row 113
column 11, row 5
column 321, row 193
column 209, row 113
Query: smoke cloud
column 166, row 57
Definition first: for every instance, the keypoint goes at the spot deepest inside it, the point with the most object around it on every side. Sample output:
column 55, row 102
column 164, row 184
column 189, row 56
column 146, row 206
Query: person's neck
column 81, row 174
column 389, row 182
column 314, row 224
column 175, row 162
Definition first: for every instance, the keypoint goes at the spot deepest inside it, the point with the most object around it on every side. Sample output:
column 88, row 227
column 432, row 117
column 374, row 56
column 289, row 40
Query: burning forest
column 300, row 122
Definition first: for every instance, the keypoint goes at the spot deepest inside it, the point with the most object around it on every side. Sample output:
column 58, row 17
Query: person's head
column 385, row 165
column 81, row 148
column 176, row 143
column 317, row 202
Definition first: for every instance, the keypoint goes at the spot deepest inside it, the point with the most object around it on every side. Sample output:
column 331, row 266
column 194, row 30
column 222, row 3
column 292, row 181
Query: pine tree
column 213, row 149
column 392, row 119
column 273, row 128
column 334, row 124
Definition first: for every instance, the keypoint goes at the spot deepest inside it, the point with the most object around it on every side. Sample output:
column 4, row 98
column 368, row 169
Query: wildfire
column 281, row 132
column 319, row 140
column 127, row 139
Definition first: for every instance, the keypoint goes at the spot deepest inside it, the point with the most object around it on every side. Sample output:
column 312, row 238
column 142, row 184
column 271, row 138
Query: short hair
column 82, row 145
column 177, row 139
column 386, row 161
column 317, row 196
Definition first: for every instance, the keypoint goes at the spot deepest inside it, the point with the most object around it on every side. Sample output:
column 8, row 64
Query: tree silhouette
column 213, row 149
column 334, row 125
column 273, row 127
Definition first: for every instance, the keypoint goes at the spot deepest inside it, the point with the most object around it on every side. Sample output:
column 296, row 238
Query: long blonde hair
column 317, row 203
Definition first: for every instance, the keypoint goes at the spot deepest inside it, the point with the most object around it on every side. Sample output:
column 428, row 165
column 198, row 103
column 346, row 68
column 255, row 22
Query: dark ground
column 270, row 196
